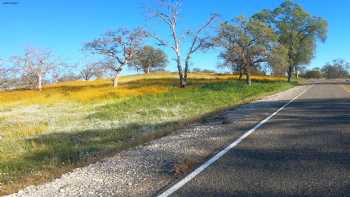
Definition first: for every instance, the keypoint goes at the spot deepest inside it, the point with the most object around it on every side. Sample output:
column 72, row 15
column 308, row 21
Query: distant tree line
column 338, row 68
column 282, row 40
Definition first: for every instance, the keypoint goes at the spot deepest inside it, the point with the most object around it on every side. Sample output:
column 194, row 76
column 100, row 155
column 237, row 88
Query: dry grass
column 184, row 166
column 347, row 87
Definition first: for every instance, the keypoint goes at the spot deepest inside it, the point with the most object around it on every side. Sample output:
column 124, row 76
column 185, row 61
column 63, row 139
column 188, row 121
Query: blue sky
column 65, row 25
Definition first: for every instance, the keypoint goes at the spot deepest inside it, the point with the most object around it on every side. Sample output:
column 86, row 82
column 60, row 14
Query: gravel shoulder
column 146, row 170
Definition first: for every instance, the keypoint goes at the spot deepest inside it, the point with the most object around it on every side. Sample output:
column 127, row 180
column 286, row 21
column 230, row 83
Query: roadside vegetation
column 336, row 69
column 46, row 133
column 55, row 116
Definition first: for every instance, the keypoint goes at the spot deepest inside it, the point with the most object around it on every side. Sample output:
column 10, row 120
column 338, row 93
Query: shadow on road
column 303, row 151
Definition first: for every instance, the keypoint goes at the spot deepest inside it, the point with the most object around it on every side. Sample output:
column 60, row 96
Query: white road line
column 205, row 165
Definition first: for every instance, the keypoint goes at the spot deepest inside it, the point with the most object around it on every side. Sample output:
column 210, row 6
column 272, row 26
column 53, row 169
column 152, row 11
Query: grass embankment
column 44, row 134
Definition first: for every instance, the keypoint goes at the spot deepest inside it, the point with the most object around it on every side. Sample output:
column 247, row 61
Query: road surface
column 302, row 151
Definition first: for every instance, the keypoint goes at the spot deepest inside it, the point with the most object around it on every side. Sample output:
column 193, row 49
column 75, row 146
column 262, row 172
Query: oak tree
column 119, row 48
column 247, row 44
column 149, row 58
column 167, row 12
column 7, row 75
column 298, row 31
column 35, row 65
column 92, row 70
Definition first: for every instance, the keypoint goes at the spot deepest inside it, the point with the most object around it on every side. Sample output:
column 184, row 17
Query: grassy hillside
column 44, row 134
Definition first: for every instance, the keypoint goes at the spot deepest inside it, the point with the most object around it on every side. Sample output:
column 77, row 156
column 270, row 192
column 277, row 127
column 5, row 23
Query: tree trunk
column 146, row 70
column 182, row 75
column 240, row 74
column 248, row 79
column 296, row 73
column 118, row 70
column 290, row 68
column 115, row 80
column 247, row 74
column 290, row 73
column 183, row 82
column 39, row 85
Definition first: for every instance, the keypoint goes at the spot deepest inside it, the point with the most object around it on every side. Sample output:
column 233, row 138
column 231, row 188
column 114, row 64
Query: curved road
column 302, row 151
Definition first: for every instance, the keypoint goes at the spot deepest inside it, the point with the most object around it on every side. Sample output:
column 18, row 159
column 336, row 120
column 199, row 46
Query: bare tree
column 91, row 70
column 119, row 48
column 168, row 12
column 5, row 76
column 68, row 77
column 35, row 64
column 338, row 68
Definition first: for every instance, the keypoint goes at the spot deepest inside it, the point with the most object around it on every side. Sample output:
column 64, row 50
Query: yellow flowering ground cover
column 46, row 133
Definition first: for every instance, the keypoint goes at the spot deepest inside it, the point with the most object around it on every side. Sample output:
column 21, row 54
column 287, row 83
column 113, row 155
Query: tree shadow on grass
column 79, row 148
column 74, row 147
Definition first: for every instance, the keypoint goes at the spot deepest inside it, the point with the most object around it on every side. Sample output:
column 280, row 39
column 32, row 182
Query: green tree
column 278, row 60
column 231, row 61
column 149, row 58
column 247, row 44
column 313, row 74
column 298, row 31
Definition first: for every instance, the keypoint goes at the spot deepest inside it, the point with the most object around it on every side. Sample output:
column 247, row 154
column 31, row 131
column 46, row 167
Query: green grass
column 184, row 103
column 43, row 148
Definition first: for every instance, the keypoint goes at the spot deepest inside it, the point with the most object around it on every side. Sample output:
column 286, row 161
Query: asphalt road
column 303, row 151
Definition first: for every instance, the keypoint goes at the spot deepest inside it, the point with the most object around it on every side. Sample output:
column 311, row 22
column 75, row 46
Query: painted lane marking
column 217, row 156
